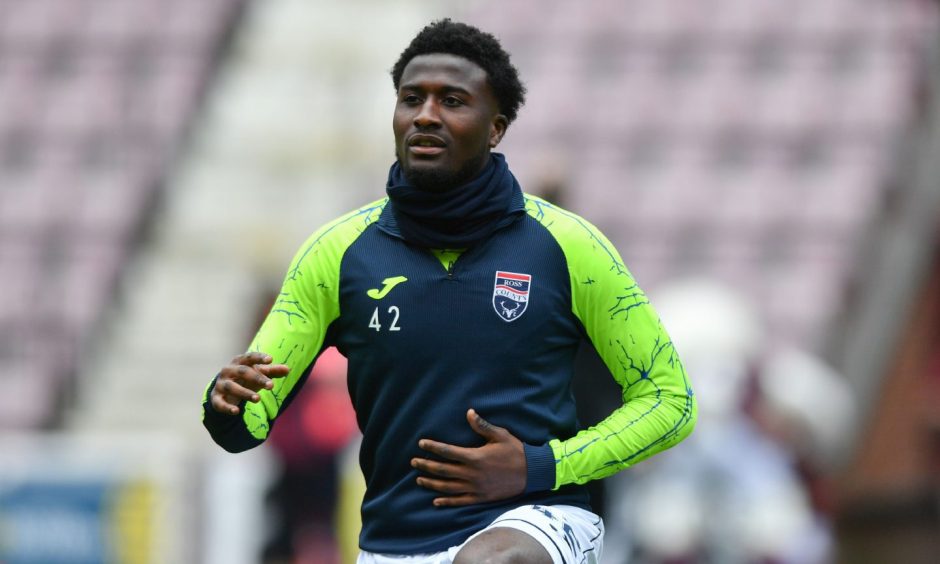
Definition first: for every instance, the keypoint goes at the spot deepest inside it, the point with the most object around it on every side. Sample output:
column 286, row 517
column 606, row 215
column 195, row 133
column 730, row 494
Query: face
column 446, row 121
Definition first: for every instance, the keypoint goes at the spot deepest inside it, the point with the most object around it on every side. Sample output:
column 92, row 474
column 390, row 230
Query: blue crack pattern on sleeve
column 624, row 303
column 290, row 307
column 616, row 265
column 364, row 215
column 629, row 365
column 256, row 424
column 642, row 371
column 631, row 298
column 293, row 308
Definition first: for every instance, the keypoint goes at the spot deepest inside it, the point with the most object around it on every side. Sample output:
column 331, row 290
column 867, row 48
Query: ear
column 498, row 129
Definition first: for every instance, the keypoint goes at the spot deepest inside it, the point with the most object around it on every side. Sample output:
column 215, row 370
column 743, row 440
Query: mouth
column 426, row 145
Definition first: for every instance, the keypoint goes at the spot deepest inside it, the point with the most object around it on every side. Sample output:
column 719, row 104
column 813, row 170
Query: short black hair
column 455, row 38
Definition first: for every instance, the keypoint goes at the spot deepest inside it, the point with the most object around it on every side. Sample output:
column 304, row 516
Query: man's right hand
column 242, row 379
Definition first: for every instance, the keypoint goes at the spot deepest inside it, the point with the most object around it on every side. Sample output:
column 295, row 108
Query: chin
column 437, row 176
column 432, row 179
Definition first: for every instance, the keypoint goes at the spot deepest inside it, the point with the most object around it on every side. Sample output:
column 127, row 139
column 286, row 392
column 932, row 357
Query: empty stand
column 707, row 137
column 96, row 95
column 731, row 137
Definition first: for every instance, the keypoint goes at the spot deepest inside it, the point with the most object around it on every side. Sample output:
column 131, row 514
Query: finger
column 441, row 469
column 250, row 378
column 483, row 427
column 455, row 487
column 444, row 450
column 232, row 400
column 273, row 370
column 222, row 404
column 250, row 358
column 458, row 500
column 234, row 390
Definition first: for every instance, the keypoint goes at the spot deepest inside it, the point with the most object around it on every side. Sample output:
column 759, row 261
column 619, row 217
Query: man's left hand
column 494, row 471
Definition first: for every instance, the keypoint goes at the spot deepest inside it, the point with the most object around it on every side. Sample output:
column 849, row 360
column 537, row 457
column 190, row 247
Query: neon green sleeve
column 294, row 331
column 659, row 407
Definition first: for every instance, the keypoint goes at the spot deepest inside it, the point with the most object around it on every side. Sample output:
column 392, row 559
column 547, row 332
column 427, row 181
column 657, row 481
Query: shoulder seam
column 589, row 229
column 369, row 214
column 564, row 256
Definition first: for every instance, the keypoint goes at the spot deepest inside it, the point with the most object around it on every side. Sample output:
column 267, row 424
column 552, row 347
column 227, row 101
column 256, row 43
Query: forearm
column 642, row 427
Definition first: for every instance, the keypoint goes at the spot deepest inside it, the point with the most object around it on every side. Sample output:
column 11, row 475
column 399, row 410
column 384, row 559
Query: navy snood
column 456, row 218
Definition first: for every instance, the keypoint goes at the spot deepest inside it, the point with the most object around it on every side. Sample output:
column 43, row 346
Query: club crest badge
column 511, row 294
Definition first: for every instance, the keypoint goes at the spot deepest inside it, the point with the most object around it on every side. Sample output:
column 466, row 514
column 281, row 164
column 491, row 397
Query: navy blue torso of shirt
column 441, row 342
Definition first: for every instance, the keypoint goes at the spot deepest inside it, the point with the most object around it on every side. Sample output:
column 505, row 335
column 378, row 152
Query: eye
column 452, row 101
column 410, row 99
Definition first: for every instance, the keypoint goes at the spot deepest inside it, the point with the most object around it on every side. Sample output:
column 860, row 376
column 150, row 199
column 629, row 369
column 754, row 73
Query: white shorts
column 571, row 535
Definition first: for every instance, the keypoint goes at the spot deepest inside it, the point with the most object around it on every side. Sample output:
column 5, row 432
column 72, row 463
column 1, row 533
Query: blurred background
column 769, row 170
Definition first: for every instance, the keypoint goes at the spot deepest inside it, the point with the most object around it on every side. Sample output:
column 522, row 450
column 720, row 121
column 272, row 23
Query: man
column 460, row 302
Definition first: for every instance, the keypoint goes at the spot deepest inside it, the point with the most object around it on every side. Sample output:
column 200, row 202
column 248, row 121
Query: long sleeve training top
column 495, row 327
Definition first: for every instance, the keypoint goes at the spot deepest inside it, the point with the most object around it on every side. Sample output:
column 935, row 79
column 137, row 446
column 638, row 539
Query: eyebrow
column 446, row 89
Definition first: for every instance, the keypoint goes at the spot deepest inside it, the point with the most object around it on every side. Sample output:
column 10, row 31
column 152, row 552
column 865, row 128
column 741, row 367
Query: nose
column 428, row 115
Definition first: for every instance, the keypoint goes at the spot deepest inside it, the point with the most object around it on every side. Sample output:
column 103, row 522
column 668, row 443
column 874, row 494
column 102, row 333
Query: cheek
column 399, row 125
column 485, row 136
column 474, row 135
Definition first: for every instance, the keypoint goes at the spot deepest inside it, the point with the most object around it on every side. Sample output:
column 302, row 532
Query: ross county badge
column 511, row 294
